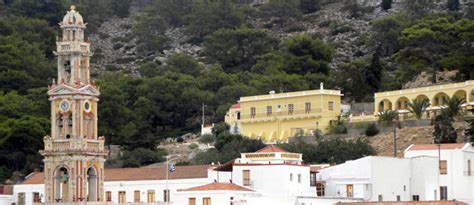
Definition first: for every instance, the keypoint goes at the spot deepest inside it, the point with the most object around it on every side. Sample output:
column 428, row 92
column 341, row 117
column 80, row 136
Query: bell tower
column 74, row 155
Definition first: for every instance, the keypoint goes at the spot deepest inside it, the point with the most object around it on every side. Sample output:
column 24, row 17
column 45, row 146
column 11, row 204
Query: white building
column 147, row 184
column 456, row 178
column 381, row 178
column 268, row 176
column 420, row 176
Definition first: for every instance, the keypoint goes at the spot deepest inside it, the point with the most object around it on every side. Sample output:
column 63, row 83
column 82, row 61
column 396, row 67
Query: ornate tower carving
column 73, row 155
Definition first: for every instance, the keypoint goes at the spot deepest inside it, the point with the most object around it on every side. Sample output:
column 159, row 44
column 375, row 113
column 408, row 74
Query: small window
column 192, row 201
column 312, row 178
column 150, row 196
column 320, row 189
column 36, row 197
column 350, row 190
column 206, row 201
column 443, row 193
column 246, row 177
column 108, row 196
column 307, row 107
column 136, row 196
column 416, row 197
column 299, row 178
column 380, row 198
column 398, row 198
column 291, row 109
column 443, row 167
column 469, row 170
column 330, row 105
column 21, row 198
column 166, row 195
column 269, row 111
column 121, row 197
column 253, row 112
column 291, row 177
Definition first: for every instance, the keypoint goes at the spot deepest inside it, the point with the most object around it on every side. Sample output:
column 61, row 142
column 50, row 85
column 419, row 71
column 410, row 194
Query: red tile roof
column 139, row 174
column 218, row 187
column 271, row 148
column 234, row 106
column 435, row 146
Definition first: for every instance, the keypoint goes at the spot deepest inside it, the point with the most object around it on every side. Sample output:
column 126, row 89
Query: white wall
column 217, row 197
column 274, row 180
column 6, row 199
column 356, row 172
column 460, row 185
column 158, row 186
column 28, row 189
column 386, row 176
column 424, row 177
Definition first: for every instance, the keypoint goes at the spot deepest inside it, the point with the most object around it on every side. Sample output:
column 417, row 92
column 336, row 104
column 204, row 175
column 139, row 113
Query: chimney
column 321, row 86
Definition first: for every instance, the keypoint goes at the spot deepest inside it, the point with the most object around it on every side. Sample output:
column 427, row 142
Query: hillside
column 159, row 62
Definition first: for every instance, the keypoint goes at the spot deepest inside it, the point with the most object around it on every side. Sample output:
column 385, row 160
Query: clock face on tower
column 64, row 106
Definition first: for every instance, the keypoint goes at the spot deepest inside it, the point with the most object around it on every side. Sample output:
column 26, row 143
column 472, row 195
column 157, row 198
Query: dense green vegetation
column 238, row 59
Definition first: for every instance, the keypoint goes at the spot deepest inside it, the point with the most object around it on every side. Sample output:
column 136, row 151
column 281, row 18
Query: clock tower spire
column 74, row 155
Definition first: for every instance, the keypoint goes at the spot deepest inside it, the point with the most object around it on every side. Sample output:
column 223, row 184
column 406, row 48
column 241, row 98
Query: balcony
column 82, row 146
column 282, row 115
column 76, row 46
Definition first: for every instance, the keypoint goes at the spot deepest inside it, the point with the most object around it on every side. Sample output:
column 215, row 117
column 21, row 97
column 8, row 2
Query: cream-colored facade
column 278, row 116
column 436, row 94
column 74, row 155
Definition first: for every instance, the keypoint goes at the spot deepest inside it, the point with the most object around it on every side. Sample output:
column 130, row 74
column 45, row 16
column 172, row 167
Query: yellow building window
column 330, row 105
column 307, row 107
column 253, row 112
column 269, row 111
column 291, row 109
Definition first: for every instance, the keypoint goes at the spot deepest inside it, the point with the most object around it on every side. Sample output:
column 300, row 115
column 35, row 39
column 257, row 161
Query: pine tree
column 453, row 5
column 309, row 6
column 444, row 131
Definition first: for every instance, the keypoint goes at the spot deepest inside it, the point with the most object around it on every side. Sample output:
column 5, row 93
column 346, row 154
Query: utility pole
column 203, row 117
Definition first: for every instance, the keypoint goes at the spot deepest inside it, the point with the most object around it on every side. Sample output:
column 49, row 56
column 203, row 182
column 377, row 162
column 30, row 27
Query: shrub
column 124, row 60
column 120, row 39
column 371, row 130
column 193, row 146
column 207, row 139
column 180, row 140
column 182, row 163
column 386, row 4
column 117, row 46
column 103, row 35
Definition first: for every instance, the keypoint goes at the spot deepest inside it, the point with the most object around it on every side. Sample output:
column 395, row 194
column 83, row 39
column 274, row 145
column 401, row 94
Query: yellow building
column 436, row 94
column 279, row 116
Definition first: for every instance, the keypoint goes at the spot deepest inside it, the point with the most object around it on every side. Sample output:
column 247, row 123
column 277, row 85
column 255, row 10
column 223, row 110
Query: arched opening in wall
column 59, row 126
column 88, row 122
column 91, row 184
column 461, row 94
column 402, row 103
column 263, row 136
column 440, row 99
column 471, row 99
column 61, row 185
column 422, row 97
column 385, row 105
